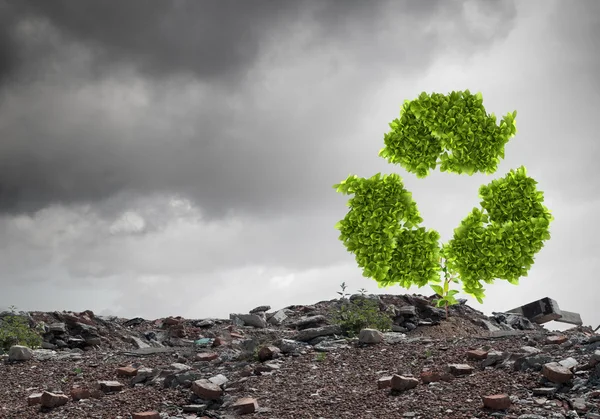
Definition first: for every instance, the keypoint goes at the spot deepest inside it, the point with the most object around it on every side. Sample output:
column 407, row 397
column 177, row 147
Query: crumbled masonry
column 294, row 363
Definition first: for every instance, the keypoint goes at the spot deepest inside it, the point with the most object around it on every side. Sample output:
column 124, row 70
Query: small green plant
column 362, row 292
column 15, row 330
column 321, row 356
column 343, row 293
column 353, row 316
column 443, row 291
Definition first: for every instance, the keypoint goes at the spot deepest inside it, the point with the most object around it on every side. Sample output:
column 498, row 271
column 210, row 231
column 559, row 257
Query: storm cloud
column 207, row 99
column 178, row 157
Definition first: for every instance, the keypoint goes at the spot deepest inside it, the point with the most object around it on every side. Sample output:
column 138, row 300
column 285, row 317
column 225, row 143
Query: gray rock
column 307, row 322
column 394, row 337
column 60, row 343
column 355, row 297
column 93, row 341
column 529, row 350
column 370, row 336
column 289, row 346
column 144, row 374
column 249, row 345
column 250, row 320
column 194, row 408
column 48, row 345
column 544, row 391
column 534, row 362
column 410, row 326
column 408, row 311
column 490, row 326
column 57, row 328
column 138, row 343
column 331, row 345
column 19, row 353
column 569, row 363
column 205, row 323
column 595, row 359
column 219, row 380
column 260, row 309
column 277, row 318
column 399, row 329
column 493, row 358
column 311, row 333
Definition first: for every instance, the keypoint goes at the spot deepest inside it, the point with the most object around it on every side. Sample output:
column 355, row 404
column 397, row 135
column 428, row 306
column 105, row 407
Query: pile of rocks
column 219, row 368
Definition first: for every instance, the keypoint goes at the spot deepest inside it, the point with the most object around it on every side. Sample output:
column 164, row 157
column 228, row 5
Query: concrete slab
column 546, row 310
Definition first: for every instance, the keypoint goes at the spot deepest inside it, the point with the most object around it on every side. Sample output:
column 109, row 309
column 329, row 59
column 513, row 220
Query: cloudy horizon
column 178, row 158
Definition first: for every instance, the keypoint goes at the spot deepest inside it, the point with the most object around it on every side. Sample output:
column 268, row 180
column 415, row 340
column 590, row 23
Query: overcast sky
column 177, row 158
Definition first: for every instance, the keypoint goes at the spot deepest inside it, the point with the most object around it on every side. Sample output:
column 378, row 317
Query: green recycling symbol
column 499, row 240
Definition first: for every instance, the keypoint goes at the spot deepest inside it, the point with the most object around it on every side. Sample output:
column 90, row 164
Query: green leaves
column 500, row 240
column 497, row 241
column 452, row 131
column 381, row 229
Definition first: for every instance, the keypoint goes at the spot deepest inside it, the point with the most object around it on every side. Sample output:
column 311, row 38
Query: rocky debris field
column 296, row 363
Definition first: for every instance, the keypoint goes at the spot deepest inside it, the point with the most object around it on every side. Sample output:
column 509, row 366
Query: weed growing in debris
column 321, row 356
column 15, row 330
column 353, row 316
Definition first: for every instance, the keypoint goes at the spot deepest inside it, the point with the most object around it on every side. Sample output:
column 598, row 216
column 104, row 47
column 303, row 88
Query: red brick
column 127, row 371
column 33, row 399
column 78, row 393
column 430, row 377
column 206, row 356
column 497, row 402
column 267, row 353
column 477, row 354
column 402, row 383
column 170, row 321
column 556, row 373
column 245, row 406
column 384, row 382
column 556, row 340
column 206, row 390
column 53, row 400
column 146, row 415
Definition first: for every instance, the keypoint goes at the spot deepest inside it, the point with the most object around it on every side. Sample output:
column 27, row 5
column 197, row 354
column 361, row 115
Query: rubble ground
column 296, row 363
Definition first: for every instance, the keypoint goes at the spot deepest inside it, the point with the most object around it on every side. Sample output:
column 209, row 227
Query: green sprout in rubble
column 446, row 295
column 383, row 227
column 343, row 293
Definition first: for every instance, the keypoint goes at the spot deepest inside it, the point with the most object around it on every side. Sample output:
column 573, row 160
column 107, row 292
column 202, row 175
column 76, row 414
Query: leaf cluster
column 453, row 131
column 500, row 240
column 381, row 229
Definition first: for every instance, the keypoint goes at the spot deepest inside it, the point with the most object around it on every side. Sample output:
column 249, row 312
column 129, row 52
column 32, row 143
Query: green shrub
column 15, row 330
column 361, row 313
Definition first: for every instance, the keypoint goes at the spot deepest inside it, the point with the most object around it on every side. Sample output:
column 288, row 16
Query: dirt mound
column 297, row 362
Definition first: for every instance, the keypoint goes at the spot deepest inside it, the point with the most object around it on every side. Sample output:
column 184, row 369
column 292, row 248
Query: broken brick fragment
column 497, row 402
column 245, row 405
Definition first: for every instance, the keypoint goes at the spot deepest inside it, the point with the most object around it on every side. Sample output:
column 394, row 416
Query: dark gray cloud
column 163, row 187
column 229, row 103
